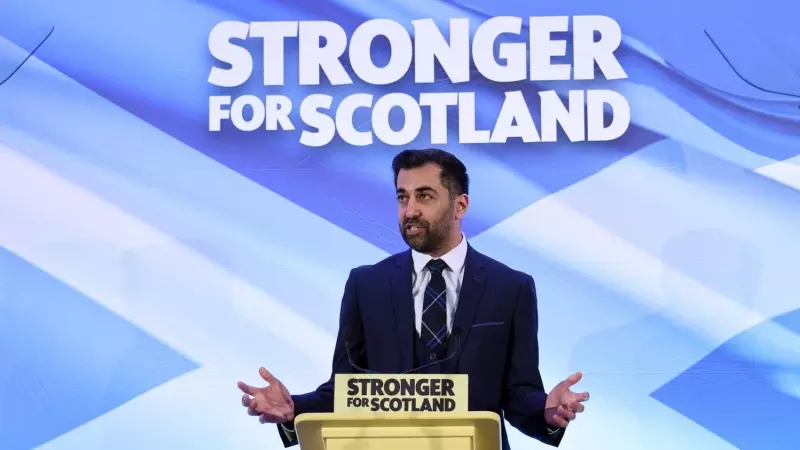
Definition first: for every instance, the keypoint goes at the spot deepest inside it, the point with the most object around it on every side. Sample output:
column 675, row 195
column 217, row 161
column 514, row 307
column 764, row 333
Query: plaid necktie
column 434, row 306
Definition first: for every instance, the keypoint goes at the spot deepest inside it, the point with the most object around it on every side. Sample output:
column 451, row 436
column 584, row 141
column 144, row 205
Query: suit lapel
column 403, row 305
column 470, row 297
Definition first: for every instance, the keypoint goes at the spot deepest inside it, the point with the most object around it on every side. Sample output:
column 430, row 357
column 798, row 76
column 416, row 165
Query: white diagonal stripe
column 783, row 172
column 554, row 228
column 186, row 194
column 434, row 301
column 431, row 332
column 197, row 304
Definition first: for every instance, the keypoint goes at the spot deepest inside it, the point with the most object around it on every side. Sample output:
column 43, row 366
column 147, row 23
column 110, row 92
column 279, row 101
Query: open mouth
column 413, row 229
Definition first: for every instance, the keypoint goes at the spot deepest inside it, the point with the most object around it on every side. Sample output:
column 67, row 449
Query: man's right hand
column 272, row 404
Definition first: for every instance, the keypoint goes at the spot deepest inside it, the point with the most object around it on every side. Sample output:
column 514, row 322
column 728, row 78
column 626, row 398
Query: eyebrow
column 419, row 189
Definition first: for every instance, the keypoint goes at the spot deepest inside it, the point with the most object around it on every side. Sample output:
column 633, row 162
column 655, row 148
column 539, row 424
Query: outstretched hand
column 272, row 404
column 562, row 404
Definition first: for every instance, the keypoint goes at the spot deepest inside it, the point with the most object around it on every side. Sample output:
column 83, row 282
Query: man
column 440, row 307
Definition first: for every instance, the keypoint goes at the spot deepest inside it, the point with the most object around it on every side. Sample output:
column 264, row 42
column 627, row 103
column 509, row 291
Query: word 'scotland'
column 496, row 51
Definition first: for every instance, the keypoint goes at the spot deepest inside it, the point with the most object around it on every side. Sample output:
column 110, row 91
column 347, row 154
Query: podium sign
column 368, row 393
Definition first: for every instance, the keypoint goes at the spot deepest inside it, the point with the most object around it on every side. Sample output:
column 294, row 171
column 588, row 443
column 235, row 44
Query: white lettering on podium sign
column 401, row 393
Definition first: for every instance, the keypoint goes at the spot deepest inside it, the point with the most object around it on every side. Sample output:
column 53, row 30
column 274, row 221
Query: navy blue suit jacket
column 498, row 346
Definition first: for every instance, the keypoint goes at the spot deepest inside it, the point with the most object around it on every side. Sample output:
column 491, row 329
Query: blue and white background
column 146, row 264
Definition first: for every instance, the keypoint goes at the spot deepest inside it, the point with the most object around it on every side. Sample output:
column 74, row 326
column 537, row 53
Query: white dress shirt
column 453, row 276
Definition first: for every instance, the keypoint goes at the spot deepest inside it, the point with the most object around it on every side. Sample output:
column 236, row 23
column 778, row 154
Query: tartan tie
column 434, row 306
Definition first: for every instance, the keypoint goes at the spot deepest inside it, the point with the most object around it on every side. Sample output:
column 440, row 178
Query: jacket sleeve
column 350, row 330
column 525, row 396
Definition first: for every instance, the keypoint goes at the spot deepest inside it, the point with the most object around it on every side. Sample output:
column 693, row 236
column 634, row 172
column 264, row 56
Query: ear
column 461, row 205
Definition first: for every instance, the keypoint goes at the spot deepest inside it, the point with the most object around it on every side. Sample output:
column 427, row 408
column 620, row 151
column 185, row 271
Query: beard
column 429, row 237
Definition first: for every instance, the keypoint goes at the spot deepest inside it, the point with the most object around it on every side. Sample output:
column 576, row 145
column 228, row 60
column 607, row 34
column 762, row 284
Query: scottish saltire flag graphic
column 146, row 264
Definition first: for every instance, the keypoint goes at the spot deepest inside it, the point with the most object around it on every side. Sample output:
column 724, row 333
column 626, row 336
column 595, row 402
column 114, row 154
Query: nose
column 411, row 210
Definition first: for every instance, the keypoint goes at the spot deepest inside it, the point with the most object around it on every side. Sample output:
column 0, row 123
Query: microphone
column 456, row 333
column 347, row 334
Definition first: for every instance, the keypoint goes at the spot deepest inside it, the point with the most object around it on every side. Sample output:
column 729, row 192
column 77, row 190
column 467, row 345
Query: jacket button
column 433, row 356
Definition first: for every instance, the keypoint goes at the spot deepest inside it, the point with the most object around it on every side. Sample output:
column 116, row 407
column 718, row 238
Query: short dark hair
column 454, row 173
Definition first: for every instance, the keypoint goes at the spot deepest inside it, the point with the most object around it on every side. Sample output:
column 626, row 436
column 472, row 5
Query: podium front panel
column 400, row 438
column 401, row 431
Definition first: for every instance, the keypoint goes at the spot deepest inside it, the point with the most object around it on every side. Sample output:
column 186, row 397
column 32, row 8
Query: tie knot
column 436, row 266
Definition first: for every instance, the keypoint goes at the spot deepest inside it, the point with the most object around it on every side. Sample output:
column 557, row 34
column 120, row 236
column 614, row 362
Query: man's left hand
column 562, row 404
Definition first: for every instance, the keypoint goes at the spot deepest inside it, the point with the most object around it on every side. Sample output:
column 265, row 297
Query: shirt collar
column 454, row 258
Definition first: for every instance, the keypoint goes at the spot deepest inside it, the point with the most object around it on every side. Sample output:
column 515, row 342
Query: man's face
column 426, row 213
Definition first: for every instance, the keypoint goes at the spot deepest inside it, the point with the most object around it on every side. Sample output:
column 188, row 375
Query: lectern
column 399, row 431
column 399, row 412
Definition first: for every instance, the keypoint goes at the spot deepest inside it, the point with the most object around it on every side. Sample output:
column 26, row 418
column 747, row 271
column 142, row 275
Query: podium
column 399, row 412
column 399, row 431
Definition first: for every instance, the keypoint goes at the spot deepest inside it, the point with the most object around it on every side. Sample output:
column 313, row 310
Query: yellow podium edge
column 396, row 430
